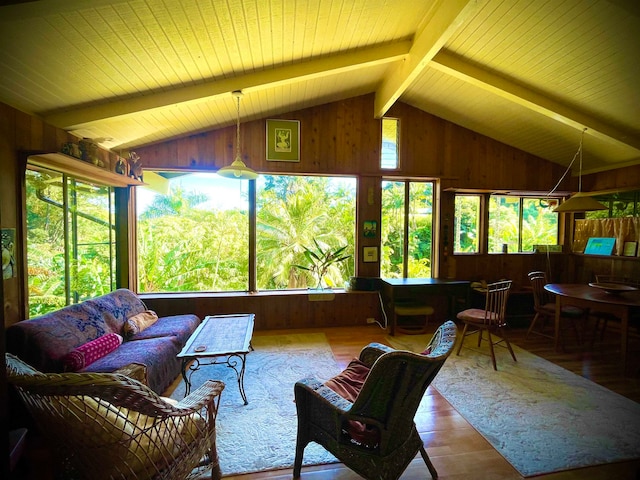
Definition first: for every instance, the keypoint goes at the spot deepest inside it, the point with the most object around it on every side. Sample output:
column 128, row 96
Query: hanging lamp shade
column 580, row 202
column 238, row 169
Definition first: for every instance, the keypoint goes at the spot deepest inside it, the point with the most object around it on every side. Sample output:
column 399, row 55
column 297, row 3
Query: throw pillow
column 348, row 383
column 88, row 353
column 139, row 322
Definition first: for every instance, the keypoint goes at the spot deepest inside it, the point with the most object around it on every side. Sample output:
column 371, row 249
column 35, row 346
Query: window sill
column 262, row 293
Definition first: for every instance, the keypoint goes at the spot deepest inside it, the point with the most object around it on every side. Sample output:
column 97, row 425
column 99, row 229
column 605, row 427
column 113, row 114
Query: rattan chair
column 384, row 406
column 490, row 319
column 109, row 425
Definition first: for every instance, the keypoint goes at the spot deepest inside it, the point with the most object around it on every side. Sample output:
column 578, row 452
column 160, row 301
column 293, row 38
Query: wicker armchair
column 109, row 425
column 386, row 404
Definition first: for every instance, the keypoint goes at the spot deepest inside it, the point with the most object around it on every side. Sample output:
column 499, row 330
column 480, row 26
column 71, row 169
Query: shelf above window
column 81, row 170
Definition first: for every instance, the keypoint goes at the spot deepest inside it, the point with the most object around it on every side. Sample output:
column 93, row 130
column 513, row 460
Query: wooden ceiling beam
column 442, row 22
column 488, row 81
column 330, row 65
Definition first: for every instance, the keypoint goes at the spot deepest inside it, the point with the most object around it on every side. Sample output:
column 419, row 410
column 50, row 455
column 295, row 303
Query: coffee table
column 219, row 340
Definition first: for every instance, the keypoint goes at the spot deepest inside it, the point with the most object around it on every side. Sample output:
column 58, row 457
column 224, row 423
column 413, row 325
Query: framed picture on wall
column 283, row 140
column 369, row 254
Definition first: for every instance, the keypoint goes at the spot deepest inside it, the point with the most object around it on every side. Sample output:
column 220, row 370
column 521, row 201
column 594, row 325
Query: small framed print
column 369, row 228
column 369, row 254
column 629, row 249
column 283, row 140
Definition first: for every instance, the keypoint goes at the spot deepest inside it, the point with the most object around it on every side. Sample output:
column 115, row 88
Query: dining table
column 621, row 303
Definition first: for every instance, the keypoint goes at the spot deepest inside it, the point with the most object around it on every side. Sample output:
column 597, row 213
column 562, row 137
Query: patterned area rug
column 262, row 435
column 540, row 417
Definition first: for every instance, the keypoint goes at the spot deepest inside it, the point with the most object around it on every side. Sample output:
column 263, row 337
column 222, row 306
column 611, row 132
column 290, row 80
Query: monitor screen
column 600, row 246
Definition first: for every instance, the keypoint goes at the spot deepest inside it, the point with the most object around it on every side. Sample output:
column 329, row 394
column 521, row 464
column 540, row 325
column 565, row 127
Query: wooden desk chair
column 490, row 319
column 109, row 425
column 545, row 307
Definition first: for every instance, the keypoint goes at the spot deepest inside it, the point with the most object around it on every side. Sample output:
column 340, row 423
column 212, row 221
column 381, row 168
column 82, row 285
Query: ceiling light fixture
column 579, row 202
column 238, row 169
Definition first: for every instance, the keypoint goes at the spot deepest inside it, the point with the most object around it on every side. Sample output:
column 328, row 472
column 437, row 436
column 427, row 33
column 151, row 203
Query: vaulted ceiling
column 531, row 74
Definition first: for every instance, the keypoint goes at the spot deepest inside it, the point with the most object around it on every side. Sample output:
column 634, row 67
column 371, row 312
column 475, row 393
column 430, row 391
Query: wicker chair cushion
column 86, row 354
column 139, row 322
column 142, row 444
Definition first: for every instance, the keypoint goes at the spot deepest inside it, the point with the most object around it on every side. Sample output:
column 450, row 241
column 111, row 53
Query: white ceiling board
column 143, row 71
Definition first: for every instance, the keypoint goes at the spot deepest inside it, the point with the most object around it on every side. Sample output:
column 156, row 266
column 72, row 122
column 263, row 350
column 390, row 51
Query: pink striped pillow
column 91, row 351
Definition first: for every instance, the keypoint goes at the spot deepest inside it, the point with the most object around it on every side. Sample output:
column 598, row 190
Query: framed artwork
column 369, row 254
column 629, row 249
column 283, row 140
column 369, row 228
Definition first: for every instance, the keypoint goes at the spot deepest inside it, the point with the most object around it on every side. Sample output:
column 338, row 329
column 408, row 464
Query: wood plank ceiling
column 529, row 74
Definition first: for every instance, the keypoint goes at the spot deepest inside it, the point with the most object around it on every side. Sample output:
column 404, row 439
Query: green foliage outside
column 539, row 224
column 419, row 233
column 183, row 247
column 67, row 264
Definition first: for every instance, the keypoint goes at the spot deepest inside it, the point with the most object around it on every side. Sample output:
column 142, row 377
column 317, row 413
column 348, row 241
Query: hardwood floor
column 456, row 449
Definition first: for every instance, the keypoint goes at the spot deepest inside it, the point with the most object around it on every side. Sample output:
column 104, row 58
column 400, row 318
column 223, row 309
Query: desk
column 412, row 289
column 588, row 297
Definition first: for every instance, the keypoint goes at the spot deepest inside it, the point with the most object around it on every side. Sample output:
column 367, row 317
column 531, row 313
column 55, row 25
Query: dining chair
column 490, row 319
column 603, row 318
column 545, row 307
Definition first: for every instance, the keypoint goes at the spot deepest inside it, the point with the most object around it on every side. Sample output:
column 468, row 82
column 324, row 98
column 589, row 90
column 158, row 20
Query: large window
column 70, row 240
column 621, row 204
column 293, row 214
column 407, row 220
column 389, row 151
column 466, row 237
column 195, row 237
column 520, row 223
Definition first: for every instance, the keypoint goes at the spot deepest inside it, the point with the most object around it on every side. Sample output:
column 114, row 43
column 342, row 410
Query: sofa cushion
column 43, row 341
column 86, row 354
column 116, row 307
column 139, row 322
column 180, row 326
column 159, row 355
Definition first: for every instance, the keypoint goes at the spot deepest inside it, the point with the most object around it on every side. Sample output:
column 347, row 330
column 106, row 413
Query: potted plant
column 321, row 260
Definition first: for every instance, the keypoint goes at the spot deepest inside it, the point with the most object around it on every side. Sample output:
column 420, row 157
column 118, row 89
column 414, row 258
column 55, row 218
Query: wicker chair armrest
column 135, row 371
column 202, row 397
column 372, row 352
column 318, row 391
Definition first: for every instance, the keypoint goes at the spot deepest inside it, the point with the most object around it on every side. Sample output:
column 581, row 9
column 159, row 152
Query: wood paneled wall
column 343, row 138
column 275, row 310
column 340, row 138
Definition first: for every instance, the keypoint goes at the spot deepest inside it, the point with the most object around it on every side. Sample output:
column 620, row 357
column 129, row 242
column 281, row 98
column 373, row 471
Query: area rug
column 262, row 435
column 539, row 416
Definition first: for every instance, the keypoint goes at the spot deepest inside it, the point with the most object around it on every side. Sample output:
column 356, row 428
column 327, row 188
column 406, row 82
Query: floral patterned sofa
column 45, row 342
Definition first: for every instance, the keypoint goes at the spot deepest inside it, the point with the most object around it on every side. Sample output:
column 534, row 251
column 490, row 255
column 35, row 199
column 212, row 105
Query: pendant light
column 238, row 169
column 579, row 202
